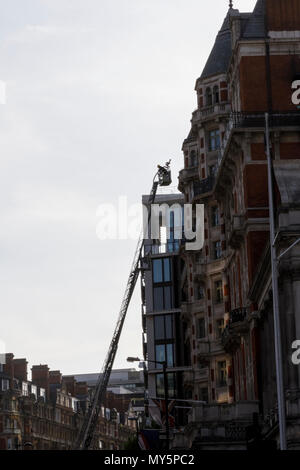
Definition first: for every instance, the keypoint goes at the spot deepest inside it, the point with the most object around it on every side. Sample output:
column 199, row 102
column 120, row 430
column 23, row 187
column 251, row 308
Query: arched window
column 216, row 94
column 208, row 96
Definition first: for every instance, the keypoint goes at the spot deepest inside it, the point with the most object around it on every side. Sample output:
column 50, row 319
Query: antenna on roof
column 230, row 4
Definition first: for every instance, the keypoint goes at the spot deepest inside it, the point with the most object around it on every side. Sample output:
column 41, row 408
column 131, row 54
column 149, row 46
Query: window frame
column 218, row 291
column 217, row 249
column 222, row 374
column 165, row 285
column 193, row 159
column 201, row 329
column 214, row 140
column 5, row 385
column 200, row 290
column 25, row 391
column 215, row 216
column 165, row 340
column 171, row 377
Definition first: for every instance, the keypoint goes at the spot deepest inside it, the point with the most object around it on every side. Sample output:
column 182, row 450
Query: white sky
column 98, row 93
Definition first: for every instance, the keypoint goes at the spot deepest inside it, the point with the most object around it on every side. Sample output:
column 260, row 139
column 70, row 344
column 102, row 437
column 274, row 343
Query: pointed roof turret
column 218, row 60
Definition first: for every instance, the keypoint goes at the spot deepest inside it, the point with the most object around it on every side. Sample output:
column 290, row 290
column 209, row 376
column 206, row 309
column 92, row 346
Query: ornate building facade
column 47, row 412
column 227, row 316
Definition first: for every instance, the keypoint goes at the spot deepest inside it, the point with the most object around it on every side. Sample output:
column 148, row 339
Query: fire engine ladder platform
column 86, row 435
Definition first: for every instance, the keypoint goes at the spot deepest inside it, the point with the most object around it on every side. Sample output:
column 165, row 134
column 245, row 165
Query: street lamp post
column 166, row 388
column 277, row 328
column 166, row 392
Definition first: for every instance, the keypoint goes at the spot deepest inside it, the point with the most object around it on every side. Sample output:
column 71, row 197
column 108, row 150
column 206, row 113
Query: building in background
column 47, row 412
column 130, row 379
column 227, row 315
column 125, row 391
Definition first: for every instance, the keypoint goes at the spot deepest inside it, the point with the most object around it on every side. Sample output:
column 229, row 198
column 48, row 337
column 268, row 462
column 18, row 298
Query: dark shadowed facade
column 227, row 316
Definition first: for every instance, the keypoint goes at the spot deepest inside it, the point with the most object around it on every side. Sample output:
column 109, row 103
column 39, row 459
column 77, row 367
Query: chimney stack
column 20, row 369
column 69, row 384
column 8, row 367
column 40, row 377
column 81, row 389
column 55, row 377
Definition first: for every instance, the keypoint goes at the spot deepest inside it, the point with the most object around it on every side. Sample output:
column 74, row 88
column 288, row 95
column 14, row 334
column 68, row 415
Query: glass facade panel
column 160, row 354
column 164, row 340
column 160, row 390
column 167, row 270
column 169, row 329
column 170, row 358
column 158, row 298
column 162, row 290
column 168, row 298
column 171, row 385
column 159, row 327
column 157, row 271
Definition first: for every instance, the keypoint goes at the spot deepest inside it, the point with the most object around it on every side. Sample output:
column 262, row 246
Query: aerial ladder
column 86, row 434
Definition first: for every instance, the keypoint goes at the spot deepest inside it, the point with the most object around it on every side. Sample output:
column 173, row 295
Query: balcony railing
column 255, row 120
column 238, row 315
column 188, row 173
column 241, row 119
column 231, row 334
column 218, row 108
column 226, row 413
column 203, row 348
column 204, row 186
column 11, row 430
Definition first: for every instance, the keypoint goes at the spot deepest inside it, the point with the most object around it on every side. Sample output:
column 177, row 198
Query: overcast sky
column 98, row 93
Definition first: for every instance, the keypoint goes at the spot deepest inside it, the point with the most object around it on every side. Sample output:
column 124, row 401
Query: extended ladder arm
column 87, row 431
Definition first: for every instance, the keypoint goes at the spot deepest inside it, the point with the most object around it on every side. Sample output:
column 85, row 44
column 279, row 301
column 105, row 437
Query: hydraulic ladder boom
column 87, row 431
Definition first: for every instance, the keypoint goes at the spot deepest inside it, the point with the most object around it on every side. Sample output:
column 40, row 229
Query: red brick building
column 228, row 318
column 47, row 412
